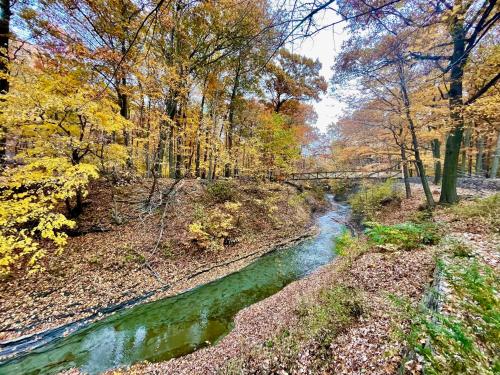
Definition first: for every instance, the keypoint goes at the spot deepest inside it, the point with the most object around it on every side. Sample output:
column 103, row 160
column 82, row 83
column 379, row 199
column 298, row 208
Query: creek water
column 178, row 325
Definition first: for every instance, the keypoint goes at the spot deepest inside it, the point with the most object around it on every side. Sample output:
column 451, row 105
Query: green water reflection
column 178, row 325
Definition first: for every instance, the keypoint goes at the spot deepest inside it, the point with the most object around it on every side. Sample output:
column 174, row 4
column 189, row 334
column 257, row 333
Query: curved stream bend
column 178, row 325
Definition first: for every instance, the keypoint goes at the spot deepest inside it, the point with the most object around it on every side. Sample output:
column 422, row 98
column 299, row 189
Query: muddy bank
column 130, row 262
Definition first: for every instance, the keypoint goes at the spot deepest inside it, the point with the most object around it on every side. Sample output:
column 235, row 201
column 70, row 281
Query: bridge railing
column 343, row 175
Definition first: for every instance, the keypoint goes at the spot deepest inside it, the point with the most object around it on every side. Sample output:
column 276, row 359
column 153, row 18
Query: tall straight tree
column 5, row 14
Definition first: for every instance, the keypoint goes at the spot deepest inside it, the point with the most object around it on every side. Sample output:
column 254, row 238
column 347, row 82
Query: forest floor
column 120, row 252
column 352, row 316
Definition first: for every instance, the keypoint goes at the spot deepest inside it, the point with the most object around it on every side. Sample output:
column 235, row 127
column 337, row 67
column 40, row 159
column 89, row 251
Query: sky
column 324, row 46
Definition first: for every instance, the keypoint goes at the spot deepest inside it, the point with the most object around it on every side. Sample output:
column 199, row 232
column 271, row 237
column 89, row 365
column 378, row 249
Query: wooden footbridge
column 343, row 175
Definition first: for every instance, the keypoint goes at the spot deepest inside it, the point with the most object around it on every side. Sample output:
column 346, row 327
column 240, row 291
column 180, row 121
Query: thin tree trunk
column 479, row 155
column 230, row 130
column 436, row 154
column 416, row 147
column 205, row 154
column 171, row 155
column 214, row 171
column 405, row 170
column 198, row 134
column 496, row 158
column 178, row 159
column 466, row 145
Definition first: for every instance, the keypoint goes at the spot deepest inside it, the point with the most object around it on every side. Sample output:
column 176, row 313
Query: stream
column 178, row 325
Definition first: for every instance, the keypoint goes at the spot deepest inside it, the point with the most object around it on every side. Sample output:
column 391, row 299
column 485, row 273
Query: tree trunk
column 436, row 154
column 466, row 145
column 411, row 125
column 455, row 93
column 171, row 155
column 230, row 130
column 198, row 134
column 496, row 158
column 405, row 170
column 123, row 103
column 160, row 154
column 205, row 154
column 4, row 60
column 214, row 172
column 178, row 159
column 480, row 155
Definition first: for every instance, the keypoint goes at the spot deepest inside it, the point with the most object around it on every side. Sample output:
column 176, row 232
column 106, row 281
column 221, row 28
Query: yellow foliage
column 210, row 229
column 63, row 127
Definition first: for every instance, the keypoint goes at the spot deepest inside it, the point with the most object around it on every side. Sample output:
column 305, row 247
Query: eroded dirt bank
column 124, row 250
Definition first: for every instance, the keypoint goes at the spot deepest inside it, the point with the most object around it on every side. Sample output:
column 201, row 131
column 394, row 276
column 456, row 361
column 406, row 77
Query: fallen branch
column 276, row 247
column 16, row 347
column 175, row 186
column 93, row 229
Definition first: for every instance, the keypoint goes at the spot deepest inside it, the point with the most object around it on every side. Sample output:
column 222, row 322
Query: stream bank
column 352, row 316
column 102, row 269
column 179, row 325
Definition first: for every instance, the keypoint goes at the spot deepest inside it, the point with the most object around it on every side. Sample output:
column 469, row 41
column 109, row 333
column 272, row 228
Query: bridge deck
column 342, row 175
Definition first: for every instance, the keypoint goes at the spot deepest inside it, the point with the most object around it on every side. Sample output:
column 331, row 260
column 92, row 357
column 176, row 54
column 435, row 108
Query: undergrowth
column 347, row 245
column 405, row 236
column 371, row 198
column 320, row 321
column 486, row 211
column 212, row 225
column 221, row 191
column 464, row 340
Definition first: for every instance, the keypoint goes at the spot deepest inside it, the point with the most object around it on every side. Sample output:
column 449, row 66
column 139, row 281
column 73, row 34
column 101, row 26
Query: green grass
column 465, row 340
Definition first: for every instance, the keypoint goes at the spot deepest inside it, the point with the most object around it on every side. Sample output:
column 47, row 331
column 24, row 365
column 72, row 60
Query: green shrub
column 406, row 236
column 459, row 249
column 347, row 245
column 221, row 191
column 486, row 211
column 370, row 199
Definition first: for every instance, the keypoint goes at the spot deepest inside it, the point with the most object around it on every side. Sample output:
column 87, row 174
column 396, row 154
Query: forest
column 172, row 155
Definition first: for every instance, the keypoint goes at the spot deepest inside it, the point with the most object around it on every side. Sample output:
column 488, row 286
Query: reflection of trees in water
column 183, row 323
